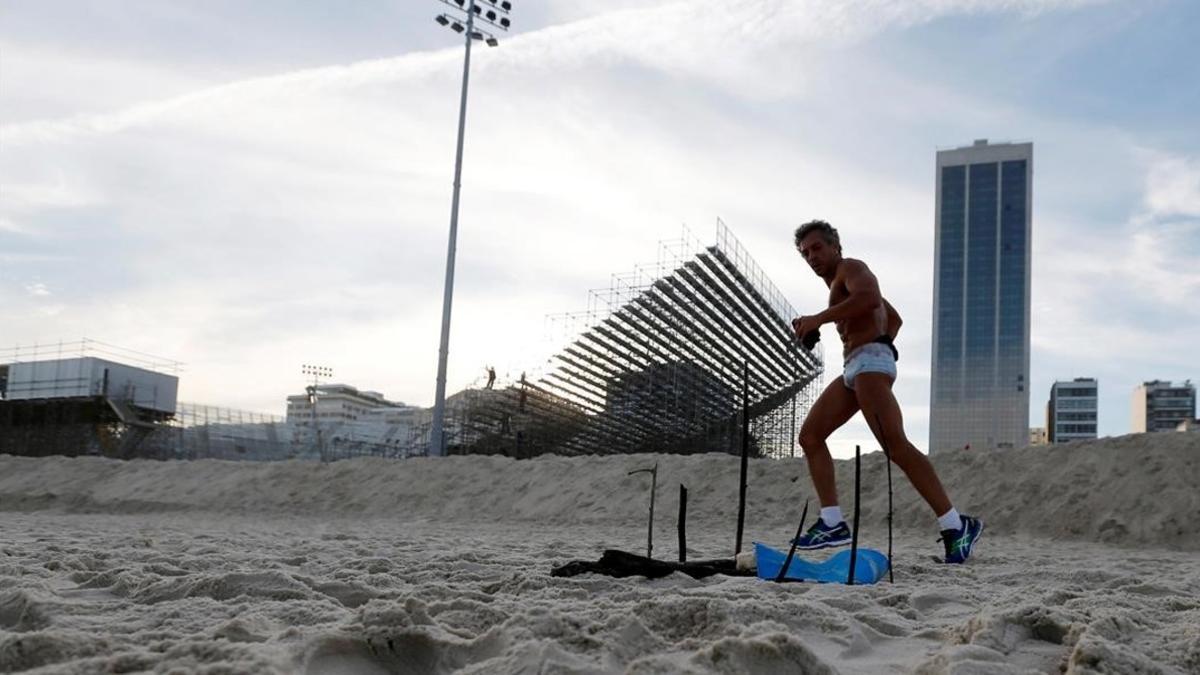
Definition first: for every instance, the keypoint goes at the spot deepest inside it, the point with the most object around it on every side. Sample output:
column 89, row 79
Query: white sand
column 443, row 566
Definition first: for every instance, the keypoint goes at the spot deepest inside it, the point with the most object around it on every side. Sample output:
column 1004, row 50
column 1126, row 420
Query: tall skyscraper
column 979, row 390
column 1162, row 406
column 1073, row 410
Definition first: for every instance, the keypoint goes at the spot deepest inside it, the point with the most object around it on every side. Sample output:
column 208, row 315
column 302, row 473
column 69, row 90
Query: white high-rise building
column 979, row 390
column 1073, row 411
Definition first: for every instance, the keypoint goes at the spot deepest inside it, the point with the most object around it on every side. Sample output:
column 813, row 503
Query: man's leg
column 879, row 407
column 834, row 408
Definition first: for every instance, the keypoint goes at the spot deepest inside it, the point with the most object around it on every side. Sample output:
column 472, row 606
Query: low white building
column 352, row 421
column 336, row 403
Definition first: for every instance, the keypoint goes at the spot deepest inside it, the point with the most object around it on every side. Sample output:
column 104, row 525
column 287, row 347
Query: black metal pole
column 741, row 519
column 888, row 456
column 857, row 499
column 787, row 562
column 653, row 488
column 650, row 525
column 682, row 523
column 792, row 445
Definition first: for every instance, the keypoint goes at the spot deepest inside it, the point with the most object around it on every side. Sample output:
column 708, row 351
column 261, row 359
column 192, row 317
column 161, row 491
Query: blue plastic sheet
column 871, row 566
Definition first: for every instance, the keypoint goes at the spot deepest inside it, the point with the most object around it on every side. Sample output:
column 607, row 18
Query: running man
column 868, row 325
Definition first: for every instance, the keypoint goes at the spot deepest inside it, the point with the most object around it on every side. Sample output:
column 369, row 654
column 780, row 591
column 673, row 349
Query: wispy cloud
column 24, row 197
column 37, row 289
column 1173, row 186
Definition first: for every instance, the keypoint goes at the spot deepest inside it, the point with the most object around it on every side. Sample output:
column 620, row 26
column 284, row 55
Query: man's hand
column 806, row 324
column 808, row 337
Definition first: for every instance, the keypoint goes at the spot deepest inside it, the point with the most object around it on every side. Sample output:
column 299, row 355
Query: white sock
column 950, row 520
column 831, row 515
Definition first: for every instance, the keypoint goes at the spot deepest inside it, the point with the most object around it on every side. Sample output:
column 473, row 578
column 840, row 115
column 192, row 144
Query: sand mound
column 1131, row 490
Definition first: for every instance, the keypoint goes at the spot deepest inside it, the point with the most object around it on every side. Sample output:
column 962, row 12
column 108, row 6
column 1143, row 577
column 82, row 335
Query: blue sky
column 247, row 187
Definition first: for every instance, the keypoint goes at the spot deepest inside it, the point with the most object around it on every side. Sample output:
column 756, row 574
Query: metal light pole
column 495, row 15
column 317, row 372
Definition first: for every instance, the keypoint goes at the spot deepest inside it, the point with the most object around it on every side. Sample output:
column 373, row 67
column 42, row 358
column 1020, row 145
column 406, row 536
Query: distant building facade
column 979, row 394
column 1073, row 411
column 336, row 403
column 1162, row 406
column 1037, row 436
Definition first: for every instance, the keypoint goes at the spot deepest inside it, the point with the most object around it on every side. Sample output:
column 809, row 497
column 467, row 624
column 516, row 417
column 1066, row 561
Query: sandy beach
column 438, row 566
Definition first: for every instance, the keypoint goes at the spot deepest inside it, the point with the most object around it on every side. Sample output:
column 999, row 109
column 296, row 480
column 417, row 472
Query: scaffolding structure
column 664, row 360
column 199, row 431
column 62, row 410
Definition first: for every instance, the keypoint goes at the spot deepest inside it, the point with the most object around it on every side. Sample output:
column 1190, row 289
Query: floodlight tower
column 317, row 372
column 462, row 19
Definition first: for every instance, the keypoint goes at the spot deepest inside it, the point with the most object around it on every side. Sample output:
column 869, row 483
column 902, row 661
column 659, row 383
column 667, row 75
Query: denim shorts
column 869, row 358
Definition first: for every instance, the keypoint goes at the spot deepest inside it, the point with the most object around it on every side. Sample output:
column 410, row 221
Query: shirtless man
column 867, row 324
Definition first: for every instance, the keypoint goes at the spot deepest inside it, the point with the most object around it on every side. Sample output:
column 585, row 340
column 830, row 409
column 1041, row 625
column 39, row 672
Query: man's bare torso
column 860, row 330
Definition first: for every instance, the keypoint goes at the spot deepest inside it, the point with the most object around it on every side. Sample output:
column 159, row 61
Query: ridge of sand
column 1130, row 490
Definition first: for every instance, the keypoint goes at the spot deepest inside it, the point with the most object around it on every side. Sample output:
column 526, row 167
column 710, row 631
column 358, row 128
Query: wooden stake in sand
column 653, row 488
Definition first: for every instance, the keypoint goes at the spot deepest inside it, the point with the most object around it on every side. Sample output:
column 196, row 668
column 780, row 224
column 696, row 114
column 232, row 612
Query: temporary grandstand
column 673, row 357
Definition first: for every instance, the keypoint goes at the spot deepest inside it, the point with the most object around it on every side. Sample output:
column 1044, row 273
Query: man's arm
column 864, row 294
column 893, row 319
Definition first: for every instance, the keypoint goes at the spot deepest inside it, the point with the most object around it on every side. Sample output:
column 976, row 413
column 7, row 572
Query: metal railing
column 86, row 347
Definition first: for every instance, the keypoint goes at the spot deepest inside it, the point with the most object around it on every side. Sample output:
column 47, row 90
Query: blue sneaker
column 821, row 535
column 959, row 543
